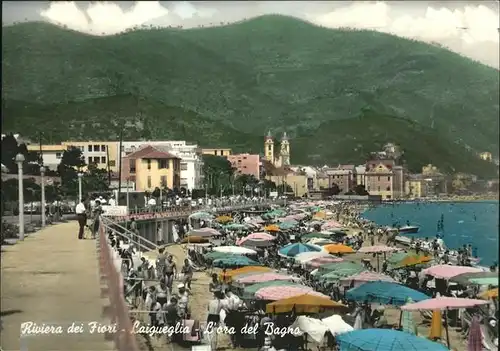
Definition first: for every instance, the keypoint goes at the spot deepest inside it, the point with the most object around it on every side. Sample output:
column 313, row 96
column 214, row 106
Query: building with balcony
column 190, row 155
column 383, row 177
column 246, row 164
column 151, row 167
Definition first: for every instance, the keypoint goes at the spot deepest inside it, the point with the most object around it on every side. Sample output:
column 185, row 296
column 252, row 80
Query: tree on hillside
column 217, row 173
column 360, row 190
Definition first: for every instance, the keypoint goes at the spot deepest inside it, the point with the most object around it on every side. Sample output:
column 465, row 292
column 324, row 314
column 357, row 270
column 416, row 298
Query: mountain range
column 339, row 94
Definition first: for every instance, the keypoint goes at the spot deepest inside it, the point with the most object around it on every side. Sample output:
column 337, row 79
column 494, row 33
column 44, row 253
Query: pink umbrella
column 256, row 236
column 274, row 293
column 444, row 303
column 377, row 249
column 265, row 277
column 332, row 224
column 365, row 277
column 475, row 339
column 445, row 271
column 320, row 261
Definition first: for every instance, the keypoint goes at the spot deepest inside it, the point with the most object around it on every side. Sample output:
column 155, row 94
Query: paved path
column 51, row 277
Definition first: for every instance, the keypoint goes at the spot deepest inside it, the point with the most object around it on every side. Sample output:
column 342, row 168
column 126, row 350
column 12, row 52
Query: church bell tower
column 269, row 147
column 285, row 150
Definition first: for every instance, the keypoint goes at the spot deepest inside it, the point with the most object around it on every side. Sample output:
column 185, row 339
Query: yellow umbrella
column 272, row 228
column 338, row 249
column 302, row 304
column 436, row 325
column 320, row 215
column 413, row 260
column 223, row 219
column 230, row 275
column 490, row 294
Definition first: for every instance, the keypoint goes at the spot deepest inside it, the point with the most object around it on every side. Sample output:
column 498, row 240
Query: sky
column 467, row 27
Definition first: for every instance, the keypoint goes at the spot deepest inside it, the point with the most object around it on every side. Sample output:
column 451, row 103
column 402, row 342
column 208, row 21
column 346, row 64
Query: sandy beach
column 201, row 296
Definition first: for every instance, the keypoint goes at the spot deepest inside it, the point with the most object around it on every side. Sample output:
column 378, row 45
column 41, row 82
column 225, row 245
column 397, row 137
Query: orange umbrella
column 272, row 228
column 302, row 304
column 230, row 275
column 436, row 325
column 490, row 294
column 413, row 260
column 194, row 239
column 338, row 249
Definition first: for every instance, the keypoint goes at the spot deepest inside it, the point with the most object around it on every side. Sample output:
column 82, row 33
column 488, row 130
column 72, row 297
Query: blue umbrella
column 235, row 261
column 293, row 250
column 385, row 340
column 385, row 293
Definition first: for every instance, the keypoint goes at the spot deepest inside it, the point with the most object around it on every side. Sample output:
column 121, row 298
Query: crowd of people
column 168, row 307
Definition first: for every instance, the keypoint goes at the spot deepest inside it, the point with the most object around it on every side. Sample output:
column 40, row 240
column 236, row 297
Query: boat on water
column 409, row 229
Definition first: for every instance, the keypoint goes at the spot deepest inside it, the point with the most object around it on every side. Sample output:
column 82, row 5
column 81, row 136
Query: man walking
column 81, row 214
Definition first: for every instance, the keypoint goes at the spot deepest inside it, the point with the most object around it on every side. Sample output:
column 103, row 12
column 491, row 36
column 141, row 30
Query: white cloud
column 479, row 39
column 102, row 17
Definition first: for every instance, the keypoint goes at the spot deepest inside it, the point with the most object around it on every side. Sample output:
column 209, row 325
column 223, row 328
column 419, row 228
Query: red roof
column 158, row 155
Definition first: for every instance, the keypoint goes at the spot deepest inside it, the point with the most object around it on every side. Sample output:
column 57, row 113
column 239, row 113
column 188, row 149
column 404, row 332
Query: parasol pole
column 446, row 327
column 400, row 318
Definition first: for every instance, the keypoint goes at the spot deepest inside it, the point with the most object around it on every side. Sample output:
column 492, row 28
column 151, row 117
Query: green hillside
column 228, row 85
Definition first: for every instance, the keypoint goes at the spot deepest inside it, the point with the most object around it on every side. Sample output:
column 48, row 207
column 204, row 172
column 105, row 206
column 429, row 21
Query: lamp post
column 80, row 176
column 19, row 161
column 42, row 173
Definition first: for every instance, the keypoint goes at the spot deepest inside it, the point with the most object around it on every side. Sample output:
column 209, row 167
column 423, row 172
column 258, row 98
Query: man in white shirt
column 111, row 202
column 81, row 214
column 102, row 200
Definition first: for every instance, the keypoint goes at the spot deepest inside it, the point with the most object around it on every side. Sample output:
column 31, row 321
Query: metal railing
column 136, row 239
column 117, row 311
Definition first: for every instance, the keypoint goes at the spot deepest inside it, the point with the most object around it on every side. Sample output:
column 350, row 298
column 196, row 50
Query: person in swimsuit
column 215, row 306
column 170, row 271
column 187, row 270
column 161, row 263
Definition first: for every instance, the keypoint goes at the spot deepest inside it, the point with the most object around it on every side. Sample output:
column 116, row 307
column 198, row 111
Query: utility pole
column 109, row 170
column 41, row 149
column 120, row 167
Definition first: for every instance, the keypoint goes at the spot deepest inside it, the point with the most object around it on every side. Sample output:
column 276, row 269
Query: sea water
column 474, row 223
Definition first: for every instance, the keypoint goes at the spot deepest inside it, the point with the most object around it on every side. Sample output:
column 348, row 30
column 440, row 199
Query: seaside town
column 290, row 266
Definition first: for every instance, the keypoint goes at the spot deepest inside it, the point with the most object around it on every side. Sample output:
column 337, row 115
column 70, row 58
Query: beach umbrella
column 365, row 277
column 232, row 274
column 336, row 325
column 385, row 340
column 436, row 330
column 340, row 273
column 194, row 239
column 464, row 278
column 235, row 226
column 475, row 339
column 307, row 256
column 250, row 290
column 384, row 293
column 485, row 281
column 306, row 303
column 235, row 250
column 377, row 250
column 275, row 293
column 204, row 232
column 338, row 249
column 201, row 215
column 444, row 303
column 272, row 228
column 259, row 236
column 413, row 260
column 234, row 261
column 444, row 271
column 320, row 242
column 314, row 328
column 213, row 255
column 223, row 219
column 407, row 323
column 287, row 225
column 257, row 243
column 490, row 294
column 396, row 257
column 292, row 250
column 332, row 267
column 320, row 261
column 264, row 277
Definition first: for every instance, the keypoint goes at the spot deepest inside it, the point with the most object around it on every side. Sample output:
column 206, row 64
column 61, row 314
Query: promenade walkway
column 51, row 277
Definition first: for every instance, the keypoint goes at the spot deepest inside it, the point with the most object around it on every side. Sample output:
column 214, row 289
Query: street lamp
column 42, row 173
column 19, row 161
column 80, row 176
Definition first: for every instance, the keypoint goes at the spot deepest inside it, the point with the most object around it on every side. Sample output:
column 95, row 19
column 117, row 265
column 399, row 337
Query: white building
column 191, row 164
